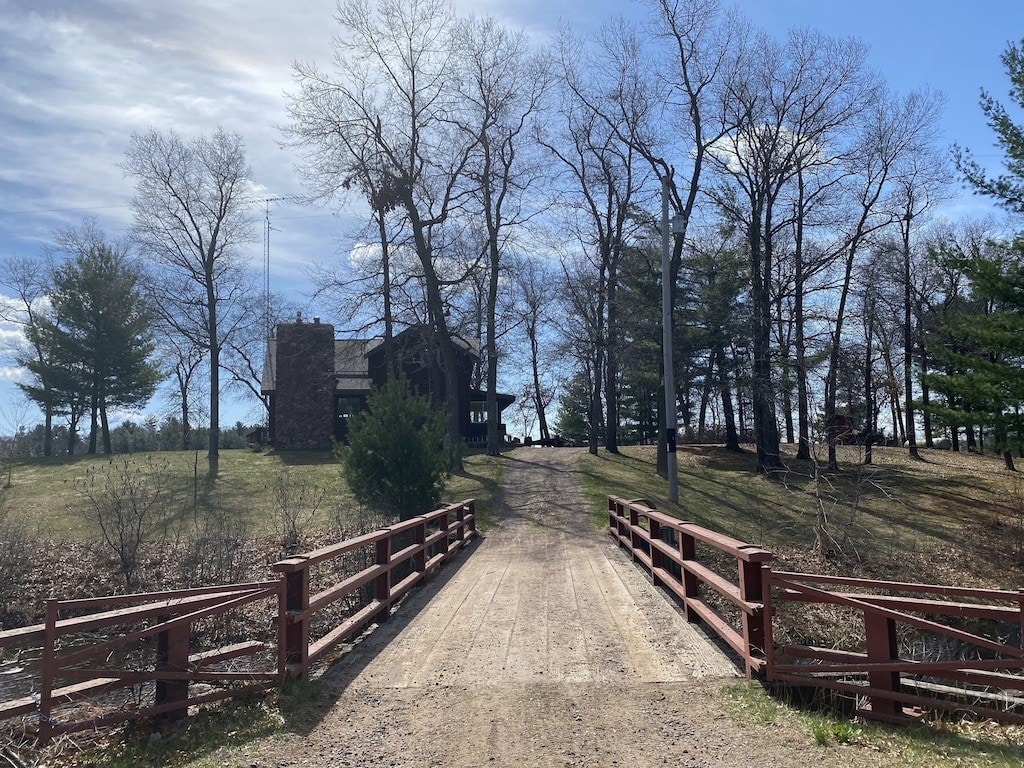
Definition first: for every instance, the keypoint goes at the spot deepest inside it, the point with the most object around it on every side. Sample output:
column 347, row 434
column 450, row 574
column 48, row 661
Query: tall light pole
column 666, row 346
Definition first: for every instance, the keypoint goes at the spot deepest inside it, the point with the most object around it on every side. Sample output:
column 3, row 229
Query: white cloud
column 10, row 373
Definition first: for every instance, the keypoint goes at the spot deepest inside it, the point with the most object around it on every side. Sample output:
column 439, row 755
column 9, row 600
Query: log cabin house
column 312, row 382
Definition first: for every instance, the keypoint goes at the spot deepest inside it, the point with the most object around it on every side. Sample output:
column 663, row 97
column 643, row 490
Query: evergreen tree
column 98, row 340
column 989, row 380
column 1007, row 189
column 573, row 419
column 394, row 460
column 983, row 352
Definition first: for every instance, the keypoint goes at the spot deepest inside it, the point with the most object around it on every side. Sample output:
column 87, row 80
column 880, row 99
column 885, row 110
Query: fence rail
column 148, row 654
column 983, row 678
column 668, row 549
column 401, row 556
column 150, row 636
column 983, row 674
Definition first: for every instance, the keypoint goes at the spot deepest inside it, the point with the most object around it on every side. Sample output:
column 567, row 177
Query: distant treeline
column 129, row 436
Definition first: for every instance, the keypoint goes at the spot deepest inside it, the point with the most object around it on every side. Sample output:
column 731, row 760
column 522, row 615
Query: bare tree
column 891, row 135
column 793, row 100
column 391, row 91
column 536, row 290
column 662, row 102
column 27, row 279
column 501, row 85
column 183, row 361
column 603, row 180
column 191, row 215
column 922, row 173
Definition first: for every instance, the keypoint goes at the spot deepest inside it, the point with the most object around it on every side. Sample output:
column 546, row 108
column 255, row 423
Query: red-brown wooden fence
column 144, row 650
column 149, row 636
column 435, row 537
column 659, row 542
column 923, row 646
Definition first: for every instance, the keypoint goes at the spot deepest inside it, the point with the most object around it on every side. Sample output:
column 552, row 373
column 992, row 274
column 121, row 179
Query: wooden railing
column 144, row 650
column 414, row 547
column 917, row 651
column 668, row 549
column 880, row 668
column 149, row 636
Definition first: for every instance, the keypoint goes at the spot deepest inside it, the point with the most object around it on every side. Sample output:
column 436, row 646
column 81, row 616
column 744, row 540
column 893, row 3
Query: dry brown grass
column 953, row 518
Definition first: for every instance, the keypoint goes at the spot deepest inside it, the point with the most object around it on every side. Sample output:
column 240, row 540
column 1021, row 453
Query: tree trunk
column 105, row 427
column 186, row 425
column 435, row 308
column 732, row 439
column 611, row 364
column 833, row 362
column 766, row 429
column 48, row 426
column 925, row 396
column 595, row 405
column 214, row 335
column 908, row 347
column 803, row 451
column 869, row 397
column 93, row 423
column 389, row 322
column 705, row 396
column 494, row 436
column 538, row 395
column 786, row 384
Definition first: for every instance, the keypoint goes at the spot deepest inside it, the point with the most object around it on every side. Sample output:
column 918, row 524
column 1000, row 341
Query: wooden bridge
column 543, row 617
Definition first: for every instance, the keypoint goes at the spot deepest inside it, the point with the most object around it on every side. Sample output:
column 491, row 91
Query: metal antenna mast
column 267, row 322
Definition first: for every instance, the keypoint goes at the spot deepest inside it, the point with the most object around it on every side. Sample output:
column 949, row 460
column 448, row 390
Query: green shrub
column 394, row 461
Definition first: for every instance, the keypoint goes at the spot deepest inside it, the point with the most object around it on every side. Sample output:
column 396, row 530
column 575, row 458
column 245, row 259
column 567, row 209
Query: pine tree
column 394, row 460
column 983, row 352
column 1007, row 189
column 990, row 381
column 98, row 339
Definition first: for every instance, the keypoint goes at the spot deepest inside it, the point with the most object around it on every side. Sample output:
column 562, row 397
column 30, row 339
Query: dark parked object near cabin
column 549, row 442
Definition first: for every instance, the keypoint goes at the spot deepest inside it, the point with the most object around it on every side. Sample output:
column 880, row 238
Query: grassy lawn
column 47, row 494
column 936, row 744
column 967, row 508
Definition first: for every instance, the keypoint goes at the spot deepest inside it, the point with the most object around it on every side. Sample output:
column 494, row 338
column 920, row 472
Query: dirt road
column 541, row 646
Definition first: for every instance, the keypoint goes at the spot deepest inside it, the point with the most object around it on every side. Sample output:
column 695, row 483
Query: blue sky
column 77, row 77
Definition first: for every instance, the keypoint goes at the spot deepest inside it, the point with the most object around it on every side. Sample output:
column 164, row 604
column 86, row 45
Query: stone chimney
column 304, row 386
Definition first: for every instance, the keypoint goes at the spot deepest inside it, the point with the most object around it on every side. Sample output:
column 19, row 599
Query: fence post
column 752, row 589
column 461, row 535
column 419, row 560
column 880, row 631
column 691, row 584
column 657, row 556
column 634, row 538
column 472, row 512
column 172, row 656
column 382, row 584
column 442, row 524
column 293, row 602
column 1020, row 603
column 768, row 616
column 48, row 674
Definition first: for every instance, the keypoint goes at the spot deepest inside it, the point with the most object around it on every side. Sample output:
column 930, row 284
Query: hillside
column 953, row 517
column 46, row 495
